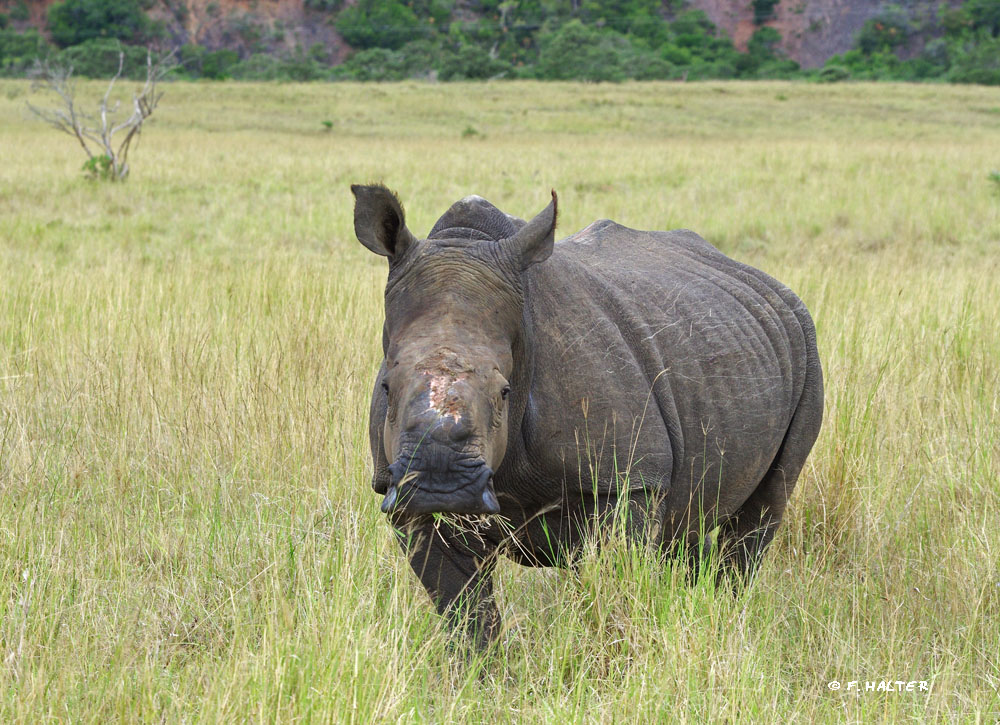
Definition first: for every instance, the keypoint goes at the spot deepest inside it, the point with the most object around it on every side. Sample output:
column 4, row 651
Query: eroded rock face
column 811, row 30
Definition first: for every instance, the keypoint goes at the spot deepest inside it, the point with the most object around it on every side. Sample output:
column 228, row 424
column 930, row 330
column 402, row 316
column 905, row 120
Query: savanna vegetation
column 594, row 40
column 187, row 531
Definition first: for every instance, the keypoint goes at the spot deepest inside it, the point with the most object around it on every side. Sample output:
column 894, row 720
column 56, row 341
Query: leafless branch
column 100, row 136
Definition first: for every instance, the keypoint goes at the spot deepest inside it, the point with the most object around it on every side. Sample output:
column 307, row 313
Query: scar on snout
column 445, row 368
column 439, row 392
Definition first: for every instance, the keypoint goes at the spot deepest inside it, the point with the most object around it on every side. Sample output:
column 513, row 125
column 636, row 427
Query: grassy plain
column 187, row 531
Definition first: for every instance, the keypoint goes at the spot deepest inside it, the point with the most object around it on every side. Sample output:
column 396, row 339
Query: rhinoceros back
column 660, row 363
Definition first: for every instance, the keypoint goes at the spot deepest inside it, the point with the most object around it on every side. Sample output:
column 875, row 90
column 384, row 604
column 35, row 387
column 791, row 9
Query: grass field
column 187, row 531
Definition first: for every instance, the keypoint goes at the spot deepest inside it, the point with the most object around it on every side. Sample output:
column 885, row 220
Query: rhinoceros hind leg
column 744, row 537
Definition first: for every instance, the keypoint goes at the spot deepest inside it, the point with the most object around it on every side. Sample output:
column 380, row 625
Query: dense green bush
column 583, row 52
column 764, row 59
column 328, row 6
column 19, row 50
column 472, row 62
column 834, row 74
column 378, row 24
column 20, row 11
column 72, row 22
column 888, row 30
column 967, row 51
column 417, row 59
column 373, row 64
column 763, row 10
column 983, row 15
column 99, row 59
column 692, row 30
column 260, row 67
column 640, row 18
column 219, row 64
column 690, row 46
column 196, row 61
column 976, row 61
column 647, row 66
column 302, row 66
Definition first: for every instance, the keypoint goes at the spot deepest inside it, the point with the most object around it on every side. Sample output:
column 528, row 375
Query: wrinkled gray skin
column 618, row 370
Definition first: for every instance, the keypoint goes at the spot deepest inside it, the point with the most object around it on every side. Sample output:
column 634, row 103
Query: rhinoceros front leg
column 455, row 568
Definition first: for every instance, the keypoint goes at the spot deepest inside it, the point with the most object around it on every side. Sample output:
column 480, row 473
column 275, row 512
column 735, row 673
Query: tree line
column 593, row 40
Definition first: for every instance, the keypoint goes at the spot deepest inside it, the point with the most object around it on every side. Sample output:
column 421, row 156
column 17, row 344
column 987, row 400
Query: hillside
column 811, row 30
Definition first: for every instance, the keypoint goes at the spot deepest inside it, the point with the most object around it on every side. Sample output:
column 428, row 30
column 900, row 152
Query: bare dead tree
column 106, row 137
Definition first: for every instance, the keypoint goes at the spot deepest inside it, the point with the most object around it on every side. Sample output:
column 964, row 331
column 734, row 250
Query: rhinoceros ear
column 379, row 221
column 533, row 242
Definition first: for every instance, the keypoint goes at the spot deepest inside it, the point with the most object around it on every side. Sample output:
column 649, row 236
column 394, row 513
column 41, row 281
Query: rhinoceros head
column 454, row 343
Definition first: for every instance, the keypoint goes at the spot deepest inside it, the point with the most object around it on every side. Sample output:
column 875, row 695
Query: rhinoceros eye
column 505, row 392
column 390, row 404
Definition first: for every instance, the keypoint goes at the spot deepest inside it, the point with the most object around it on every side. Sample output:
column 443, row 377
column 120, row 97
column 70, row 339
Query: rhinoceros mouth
column 467, row 490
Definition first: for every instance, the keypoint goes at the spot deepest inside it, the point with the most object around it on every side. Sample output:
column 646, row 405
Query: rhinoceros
column 545, row 386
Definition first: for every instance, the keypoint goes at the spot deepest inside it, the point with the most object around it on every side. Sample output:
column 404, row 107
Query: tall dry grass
column 186, row 527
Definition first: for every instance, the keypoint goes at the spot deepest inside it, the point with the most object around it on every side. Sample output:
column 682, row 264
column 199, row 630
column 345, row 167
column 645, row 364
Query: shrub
column 675, row 55
column 219, row 64
column 199, row 62
column 261, row 67
column 581, row 52
column 419, row 58
column 763, row 10
column 984, row 15
column 783, row 68
column 994, row 176
column 72, row 22
column 473, row 62
column 889, row 29
column 327, row 6
column 702, row 70
column 378, row 24
column 644, row 65
column 639, row 19
column 976, row 62
column 20, row 11
column 19, row 50
column 936, row 52
column 98, row 58
column 373, row 64
column 764, row 43
column 693, row 31
column 99, row 167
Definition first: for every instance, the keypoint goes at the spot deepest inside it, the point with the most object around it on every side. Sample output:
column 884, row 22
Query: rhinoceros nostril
column 459, row 429
column 390, row 499
column 396, row 472
column 450, row 430
column 490, row 503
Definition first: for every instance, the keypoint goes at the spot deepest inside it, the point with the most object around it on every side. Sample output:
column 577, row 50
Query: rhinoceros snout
column 451, row 429
column 464, row 487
